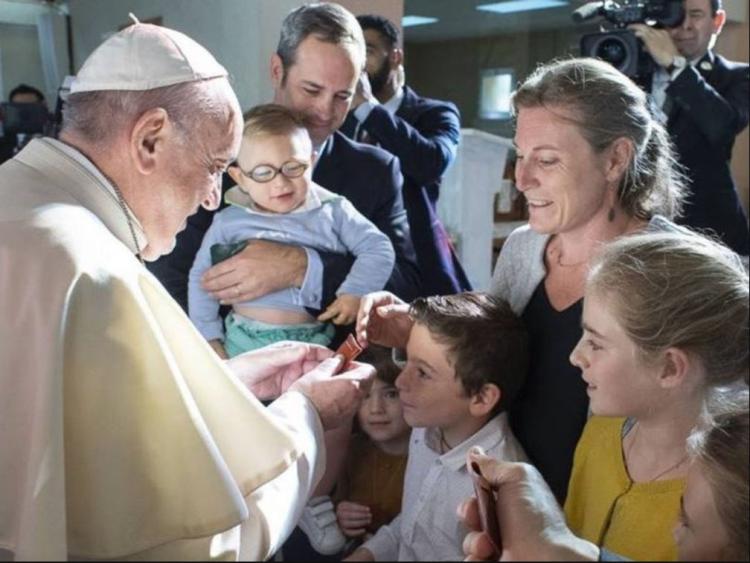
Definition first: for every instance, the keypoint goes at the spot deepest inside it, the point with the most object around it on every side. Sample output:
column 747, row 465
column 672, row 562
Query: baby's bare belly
column 274, row 316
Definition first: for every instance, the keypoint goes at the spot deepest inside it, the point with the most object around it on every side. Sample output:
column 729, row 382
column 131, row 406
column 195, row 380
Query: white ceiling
column 460, row 18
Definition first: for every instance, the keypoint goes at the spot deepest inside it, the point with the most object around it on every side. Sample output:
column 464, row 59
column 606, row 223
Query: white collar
column 84, row 161
column 487, row 437
column 394, row 103
column 320, row 149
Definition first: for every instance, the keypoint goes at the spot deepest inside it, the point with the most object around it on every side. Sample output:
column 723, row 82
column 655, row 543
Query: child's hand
column 343, row 311
column 353, row 518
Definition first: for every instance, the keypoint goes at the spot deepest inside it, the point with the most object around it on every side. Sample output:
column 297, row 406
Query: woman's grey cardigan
column 520, row 266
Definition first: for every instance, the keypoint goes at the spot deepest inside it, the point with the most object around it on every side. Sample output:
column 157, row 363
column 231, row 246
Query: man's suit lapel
column 408, row 104
column 706, row 67
column 326, row 161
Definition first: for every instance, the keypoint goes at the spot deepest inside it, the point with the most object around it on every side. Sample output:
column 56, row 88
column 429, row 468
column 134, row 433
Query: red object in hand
column 350, row 349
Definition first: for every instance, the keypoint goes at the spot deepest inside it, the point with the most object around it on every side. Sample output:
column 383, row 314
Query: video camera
column 619, row 46
column 22, row 121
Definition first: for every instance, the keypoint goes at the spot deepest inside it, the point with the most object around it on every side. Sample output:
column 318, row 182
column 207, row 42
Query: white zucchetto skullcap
column 143, row 57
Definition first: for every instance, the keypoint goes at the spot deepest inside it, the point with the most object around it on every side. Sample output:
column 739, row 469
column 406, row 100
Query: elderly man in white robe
column 122, row 435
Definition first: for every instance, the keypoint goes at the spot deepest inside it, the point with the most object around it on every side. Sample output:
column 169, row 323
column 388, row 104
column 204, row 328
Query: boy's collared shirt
column 428, row 528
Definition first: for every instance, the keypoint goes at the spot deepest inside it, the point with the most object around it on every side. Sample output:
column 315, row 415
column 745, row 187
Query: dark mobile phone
column 487, row 508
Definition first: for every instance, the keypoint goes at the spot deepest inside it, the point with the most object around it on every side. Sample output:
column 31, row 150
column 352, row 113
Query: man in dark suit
column 319, row 58
column 424, row 135
column 704, row 99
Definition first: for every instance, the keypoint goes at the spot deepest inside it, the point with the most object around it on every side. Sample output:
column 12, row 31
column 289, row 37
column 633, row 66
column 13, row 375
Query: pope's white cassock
column 121, row 433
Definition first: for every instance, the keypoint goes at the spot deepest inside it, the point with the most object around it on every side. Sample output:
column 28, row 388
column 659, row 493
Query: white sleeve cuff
column 363, row 111
column 276, row 507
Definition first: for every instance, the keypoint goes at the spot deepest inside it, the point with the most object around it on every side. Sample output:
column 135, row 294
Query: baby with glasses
column 275, row 199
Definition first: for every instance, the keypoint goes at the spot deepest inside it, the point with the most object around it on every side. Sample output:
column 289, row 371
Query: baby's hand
column 343, row 311
column 353, row 518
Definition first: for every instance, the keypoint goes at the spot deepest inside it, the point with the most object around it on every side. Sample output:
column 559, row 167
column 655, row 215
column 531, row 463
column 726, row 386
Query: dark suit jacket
column 369, row 177
column 710, row 108
column 424, row 135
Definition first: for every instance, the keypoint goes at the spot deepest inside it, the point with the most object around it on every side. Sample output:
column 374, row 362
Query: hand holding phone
column 487, row 508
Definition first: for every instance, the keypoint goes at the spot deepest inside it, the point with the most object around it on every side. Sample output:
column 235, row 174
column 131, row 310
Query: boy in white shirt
column 467, row 358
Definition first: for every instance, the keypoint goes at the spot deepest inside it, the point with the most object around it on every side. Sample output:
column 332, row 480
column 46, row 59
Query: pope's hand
column 270, row 371
column 336, row 395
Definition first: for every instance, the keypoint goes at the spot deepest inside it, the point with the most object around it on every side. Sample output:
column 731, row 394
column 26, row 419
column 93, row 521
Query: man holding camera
column 704, row 99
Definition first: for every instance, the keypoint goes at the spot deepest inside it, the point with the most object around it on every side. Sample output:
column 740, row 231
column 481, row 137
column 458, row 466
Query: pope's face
column 190, row 174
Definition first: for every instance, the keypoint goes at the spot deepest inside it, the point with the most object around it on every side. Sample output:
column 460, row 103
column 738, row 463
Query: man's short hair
column 25, row 89
column 486, row 340
column 271, row 119
column 383, row 26
column 716, row 5
column 328, row 22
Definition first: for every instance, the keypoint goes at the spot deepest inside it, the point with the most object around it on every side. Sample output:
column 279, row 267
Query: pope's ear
column 149, row 138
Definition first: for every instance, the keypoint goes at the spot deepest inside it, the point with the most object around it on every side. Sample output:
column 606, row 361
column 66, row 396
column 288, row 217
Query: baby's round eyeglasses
column 265, row 172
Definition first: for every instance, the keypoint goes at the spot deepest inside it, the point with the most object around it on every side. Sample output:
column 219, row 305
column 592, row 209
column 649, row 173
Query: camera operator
column 10, row 142
column 25, row 94
column 704, row 101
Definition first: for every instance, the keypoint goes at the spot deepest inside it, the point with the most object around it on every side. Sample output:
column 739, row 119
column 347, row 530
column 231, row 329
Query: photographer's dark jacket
column 709, row 109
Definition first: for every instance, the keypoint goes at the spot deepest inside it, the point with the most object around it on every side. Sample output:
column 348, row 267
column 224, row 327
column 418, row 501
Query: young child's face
column 282, row 194
column 619, row 382
column 431, row 395
column 380, row 414
column 700, row 533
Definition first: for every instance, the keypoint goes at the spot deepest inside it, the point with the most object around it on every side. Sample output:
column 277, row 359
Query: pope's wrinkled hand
column 270, row 371
column 336, row 395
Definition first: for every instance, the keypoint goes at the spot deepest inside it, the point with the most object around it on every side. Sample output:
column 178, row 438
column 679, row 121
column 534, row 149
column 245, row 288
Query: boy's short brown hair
column 487, row 342
column 271, row 119
column 382, row 360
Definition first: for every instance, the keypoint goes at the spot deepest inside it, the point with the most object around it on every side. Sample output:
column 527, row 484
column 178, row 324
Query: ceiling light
column 514, row 6
column 410, row 21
